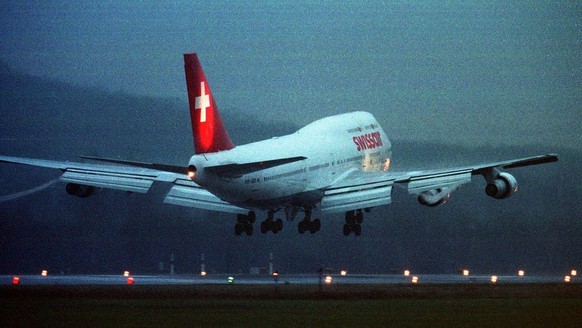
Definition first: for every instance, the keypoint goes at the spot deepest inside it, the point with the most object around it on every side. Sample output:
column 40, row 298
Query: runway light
column 130, row 281
column 230, row 280
column 43, row 273
column 567, row 279
column 15, row 280
column 415, row 280
column 493, row 279
column 203, row 273
column 406, row 273
column 343, row 273
column 573, row 273
column 328, row 280
column 465, row 272
column 521, row 273
column 126, row 273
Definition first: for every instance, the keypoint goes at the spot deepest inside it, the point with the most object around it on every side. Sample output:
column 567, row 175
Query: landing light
column 573, row 273
column 465, row 272
column 521, row 273
column 415, row 280
column 203, row 273
column 126, row 273
column 387, row 165
column 44, row 273
column 191, row 172
column 343, row 273
column 493, row 279
column 406, row 273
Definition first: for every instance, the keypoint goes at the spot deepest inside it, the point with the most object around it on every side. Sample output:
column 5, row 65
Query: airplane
column 337, row 164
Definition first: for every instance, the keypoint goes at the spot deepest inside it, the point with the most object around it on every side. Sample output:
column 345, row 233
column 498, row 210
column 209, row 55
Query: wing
column 138, row 178
column 358, row 190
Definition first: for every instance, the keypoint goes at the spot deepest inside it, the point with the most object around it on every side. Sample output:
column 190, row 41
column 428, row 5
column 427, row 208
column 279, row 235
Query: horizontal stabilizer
column 237, row 170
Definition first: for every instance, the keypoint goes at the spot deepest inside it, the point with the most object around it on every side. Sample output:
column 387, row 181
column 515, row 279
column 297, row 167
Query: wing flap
column 112, row 180
column 363, row 192
column 186, row 193
column 451, row 180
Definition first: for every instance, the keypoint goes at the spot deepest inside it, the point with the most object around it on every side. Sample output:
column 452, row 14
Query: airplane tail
column 209, row 133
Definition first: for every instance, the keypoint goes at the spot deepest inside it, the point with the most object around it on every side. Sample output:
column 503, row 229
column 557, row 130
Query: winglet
column 209, row 133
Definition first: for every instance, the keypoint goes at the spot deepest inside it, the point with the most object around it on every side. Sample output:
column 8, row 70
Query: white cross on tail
column 202, row 102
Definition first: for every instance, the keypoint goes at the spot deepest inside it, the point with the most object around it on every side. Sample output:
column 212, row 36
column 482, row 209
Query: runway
column 294, row 279
column 294, row 300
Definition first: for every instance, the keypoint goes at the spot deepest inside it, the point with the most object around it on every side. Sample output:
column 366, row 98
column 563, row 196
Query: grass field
column 298, row 306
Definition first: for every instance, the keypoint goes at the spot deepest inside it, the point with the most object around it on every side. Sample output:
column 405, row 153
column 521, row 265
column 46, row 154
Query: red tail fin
column 210, row 135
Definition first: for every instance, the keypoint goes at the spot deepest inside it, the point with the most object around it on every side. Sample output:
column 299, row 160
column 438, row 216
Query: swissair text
column 368, row 141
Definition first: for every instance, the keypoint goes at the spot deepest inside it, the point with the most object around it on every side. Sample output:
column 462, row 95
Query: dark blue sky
column 469, row 72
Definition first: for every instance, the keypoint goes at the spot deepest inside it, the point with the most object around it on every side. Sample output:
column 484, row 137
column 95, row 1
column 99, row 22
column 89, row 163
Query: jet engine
column 502, row 187
column 82, row 191
column 435, row 197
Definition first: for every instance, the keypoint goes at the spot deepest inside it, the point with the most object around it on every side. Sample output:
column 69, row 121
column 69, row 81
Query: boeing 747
column 338, row 164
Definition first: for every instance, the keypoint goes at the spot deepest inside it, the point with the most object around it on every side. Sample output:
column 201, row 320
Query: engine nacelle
column 78, row 190
column 502, row 187
column 435, row 197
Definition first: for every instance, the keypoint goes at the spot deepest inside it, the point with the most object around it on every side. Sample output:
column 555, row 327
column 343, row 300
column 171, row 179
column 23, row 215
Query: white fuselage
column 333, row 147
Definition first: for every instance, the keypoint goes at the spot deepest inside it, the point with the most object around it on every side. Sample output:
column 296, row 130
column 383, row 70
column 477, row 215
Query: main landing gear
column 353, row 224
column 270, row 224
column 244, row 223
column 307, row 225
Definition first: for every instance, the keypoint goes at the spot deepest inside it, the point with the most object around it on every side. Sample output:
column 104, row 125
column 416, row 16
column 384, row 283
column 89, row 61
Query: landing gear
column 353, row 224
column 270, row 224
column 307, row 225
column 244, row 223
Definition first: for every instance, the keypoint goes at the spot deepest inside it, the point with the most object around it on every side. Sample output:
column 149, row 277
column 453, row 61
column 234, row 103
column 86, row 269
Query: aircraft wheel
column 238, row 229
column 357, row 229
column 249, row 229
column 350, row 217
column 278, row 226
column 302, row 227
column 347, row 229
column 251, row 217
column 264, row 227
column 317, row 224
column 359, row 217
column 312, row 229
